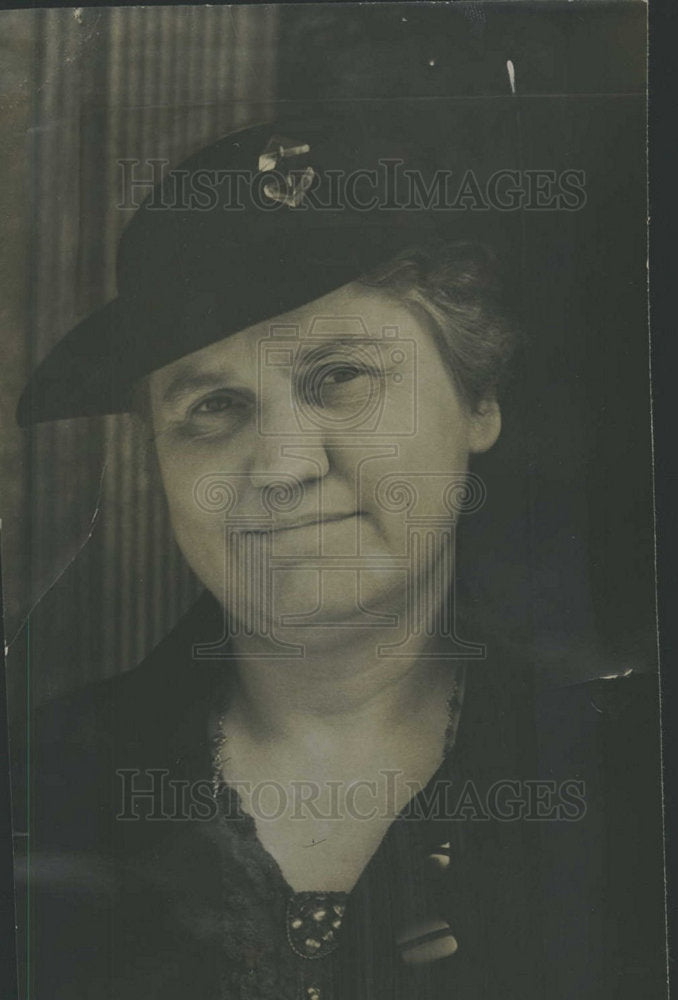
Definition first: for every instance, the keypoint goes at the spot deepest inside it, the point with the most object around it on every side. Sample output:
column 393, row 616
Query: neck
column 342, row 681
column 347, row 688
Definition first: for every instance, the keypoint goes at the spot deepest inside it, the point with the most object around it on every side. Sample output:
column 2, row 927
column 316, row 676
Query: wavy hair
column 458, row 288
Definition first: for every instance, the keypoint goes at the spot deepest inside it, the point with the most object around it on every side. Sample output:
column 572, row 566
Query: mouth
column 309, row 522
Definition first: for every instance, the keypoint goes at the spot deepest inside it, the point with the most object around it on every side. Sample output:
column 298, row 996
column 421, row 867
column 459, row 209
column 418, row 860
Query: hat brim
column 93, row 369
column 189, row 278
column 79, row 375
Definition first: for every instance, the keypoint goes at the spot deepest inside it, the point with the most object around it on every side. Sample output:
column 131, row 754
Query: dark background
column 560, row 561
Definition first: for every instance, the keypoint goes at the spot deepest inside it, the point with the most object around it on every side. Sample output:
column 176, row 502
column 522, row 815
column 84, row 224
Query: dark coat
column 565, row 903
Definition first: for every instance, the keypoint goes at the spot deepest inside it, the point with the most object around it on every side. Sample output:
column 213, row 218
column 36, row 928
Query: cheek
column 176, row 483
column 443, row 428
column 200, row 538
column 417, row 479
column 197, row 522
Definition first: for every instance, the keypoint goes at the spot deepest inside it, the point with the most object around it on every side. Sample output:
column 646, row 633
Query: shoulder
column 77, row 743
column 583, row 766
column 605, row 868
column 137, row 698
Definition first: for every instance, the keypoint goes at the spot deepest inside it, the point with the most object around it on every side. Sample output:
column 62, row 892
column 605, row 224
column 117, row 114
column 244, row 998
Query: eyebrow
column 322, row 345
column 193, row 380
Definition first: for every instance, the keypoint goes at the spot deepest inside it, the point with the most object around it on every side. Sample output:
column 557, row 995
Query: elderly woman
column 313, row 787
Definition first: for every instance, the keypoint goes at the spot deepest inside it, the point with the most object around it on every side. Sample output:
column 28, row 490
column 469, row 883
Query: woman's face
column 283, row 450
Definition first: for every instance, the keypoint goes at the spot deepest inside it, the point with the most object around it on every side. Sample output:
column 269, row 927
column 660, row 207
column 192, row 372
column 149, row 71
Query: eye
column 218, row 403
column 221, row 410
column 335, row 374
column 335, row 381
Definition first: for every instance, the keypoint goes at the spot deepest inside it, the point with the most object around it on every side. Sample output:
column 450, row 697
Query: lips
column 306, row 522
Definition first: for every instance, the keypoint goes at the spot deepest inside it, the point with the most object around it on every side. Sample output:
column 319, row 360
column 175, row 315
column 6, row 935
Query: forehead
column 352, row 312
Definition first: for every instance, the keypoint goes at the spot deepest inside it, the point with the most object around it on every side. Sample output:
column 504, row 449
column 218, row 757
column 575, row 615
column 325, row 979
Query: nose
column 281, row 446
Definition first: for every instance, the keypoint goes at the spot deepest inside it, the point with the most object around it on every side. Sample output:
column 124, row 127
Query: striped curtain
column 130, row 83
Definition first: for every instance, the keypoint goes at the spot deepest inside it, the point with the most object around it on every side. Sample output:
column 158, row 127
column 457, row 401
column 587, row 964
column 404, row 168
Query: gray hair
column 456, row 286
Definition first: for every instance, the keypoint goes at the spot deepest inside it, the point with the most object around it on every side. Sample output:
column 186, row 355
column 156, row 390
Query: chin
column 307, row 599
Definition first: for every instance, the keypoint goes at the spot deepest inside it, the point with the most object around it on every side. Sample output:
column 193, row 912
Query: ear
column 484, row 425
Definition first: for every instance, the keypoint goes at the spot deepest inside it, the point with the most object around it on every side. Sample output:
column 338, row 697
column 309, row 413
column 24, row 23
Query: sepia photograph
column 327, row 514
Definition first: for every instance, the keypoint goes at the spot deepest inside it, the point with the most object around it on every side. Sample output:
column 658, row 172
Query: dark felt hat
column 268, row 219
